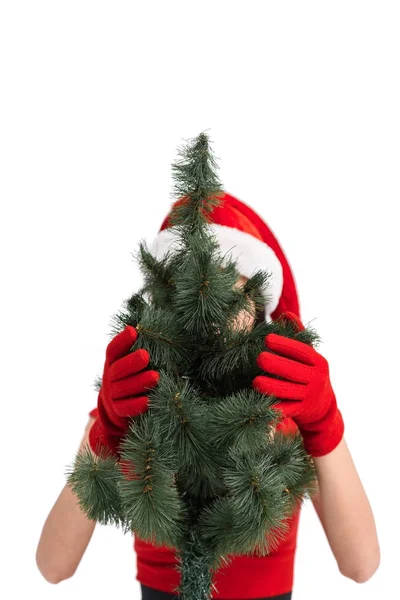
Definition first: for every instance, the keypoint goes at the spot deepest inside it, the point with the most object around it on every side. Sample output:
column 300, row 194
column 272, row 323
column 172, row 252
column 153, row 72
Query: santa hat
column 242, row 234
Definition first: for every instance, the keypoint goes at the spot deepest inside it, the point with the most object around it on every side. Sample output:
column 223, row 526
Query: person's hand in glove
column 306, row 394
column 126, row 382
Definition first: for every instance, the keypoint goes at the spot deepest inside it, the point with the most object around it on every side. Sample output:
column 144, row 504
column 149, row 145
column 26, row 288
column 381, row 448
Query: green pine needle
column 295, row 466
column 94, row 480
column 130, row 313
column 158, row 275
column 151, row 503
column 158, row 334
column 242, row 421
column 195, row 177
column 197, row 564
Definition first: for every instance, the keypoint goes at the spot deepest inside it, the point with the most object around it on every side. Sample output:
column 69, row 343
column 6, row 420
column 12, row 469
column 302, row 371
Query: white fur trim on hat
column 250, row 254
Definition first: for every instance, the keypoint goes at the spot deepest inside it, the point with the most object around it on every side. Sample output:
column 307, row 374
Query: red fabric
column 232, row 212
column 244, row 577
column 306, row 391
column 94, row 413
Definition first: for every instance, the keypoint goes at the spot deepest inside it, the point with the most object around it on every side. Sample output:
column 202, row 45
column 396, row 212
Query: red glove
column 308, row 397
column 123, row 391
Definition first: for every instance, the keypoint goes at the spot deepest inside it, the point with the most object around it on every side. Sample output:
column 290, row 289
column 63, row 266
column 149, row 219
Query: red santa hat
column 243, row 234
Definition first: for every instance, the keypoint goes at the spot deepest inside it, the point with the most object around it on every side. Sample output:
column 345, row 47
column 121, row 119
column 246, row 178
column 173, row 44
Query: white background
column 301, row 100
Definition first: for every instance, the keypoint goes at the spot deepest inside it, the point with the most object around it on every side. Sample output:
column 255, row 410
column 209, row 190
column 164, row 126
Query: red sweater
column 245, row 577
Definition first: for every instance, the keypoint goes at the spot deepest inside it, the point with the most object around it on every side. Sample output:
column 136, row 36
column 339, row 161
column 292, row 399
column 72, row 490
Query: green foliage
column 296, row 468
column 181, row 414
column 241, row 421
column 158, row 275
column 151, row 503
column 250, row 517
column 95, row 481
column 130, row 313
column 204, row 470
column 197, row 566
column 195, row 177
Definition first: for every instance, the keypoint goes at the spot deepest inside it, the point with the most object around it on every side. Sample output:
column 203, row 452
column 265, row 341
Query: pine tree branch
column 94, row 480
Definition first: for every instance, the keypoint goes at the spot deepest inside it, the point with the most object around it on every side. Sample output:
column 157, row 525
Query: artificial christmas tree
column 203, row 468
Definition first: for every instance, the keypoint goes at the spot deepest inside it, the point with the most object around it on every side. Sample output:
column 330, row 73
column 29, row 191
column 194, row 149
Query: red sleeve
column 94, row 413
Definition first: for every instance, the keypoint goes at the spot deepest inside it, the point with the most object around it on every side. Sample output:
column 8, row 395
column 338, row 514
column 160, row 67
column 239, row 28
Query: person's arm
column 345, row 514
column 66, row 533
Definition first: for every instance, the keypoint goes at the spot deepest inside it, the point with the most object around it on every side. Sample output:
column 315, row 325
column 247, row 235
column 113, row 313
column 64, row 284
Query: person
column 308, row 404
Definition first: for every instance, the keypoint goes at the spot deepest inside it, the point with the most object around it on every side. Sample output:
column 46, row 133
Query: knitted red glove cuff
column 98, row 439
column 321, row 440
